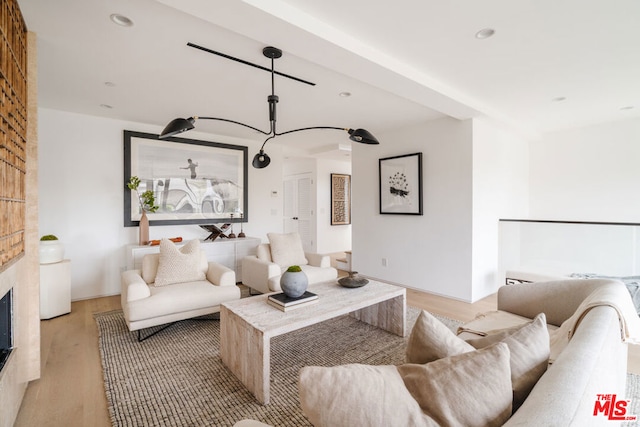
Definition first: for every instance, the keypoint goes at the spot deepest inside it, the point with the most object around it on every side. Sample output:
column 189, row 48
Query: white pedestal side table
column 55, row 289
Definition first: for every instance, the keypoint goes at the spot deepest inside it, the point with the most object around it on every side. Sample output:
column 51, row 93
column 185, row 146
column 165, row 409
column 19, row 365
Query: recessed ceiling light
column 485, row 33
column 628, row 107
column 122, row 20
column 345, row 94
column 109, row 84
column 107, row 106
column 559, row 99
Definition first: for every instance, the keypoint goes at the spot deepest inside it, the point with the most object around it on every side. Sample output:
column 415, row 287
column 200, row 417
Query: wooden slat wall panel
column 13, row 130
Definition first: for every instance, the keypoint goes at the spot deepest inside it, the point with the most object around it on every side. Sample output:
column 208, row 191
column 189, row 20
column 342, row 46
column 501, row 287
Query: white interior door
column 298, row 209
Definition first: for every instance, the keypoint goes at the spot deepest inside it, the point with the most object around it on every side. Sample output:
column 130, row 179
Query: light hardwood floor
column 70, row 391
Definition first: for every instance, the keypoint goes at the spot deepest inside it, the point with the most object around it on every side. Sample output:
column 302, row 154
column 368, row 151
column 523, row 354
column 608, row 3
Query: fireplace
column 6, row 328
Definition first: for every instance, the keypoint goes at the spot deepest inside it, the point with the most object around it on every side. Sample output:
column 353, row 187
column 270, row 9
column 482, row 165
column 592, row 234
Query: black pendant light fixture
column 262, row 160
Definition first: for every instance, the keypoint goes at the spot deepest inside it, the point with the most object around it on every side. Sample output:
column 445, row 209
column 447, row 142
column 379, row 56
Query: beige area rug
column 177, row 378
column 633, row 393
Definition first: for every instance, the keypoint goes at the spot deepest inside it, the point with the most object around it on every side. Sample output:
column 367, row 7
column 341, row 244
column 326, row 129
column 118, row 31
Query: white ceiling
column 404, row 62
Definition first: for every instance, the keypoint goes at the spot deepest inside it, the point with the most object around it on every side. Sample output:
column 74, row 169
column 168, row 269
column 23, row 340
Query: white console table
column 55, row 289
column 228, row 252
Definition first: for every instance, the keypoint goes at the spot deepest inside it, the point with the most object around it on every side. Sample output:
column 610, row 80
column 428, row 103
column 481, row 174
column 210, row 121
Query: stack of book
column 285, row 303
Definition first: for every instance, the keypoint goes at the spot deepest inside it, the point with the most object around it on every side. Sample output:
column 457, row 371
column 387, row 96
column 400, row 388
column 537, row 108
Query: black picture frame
column 210, row 189
column 400, row 179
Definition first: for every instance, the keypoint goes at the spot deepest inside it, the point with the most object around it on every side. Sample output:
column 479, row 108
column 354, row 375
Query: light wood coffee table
column 247, row 325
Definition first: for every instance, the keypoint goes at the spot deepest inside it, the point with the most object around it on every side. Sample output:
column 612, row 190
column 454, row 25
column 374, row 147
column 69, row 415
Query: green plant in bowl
column 48, row 237
column 294, row 269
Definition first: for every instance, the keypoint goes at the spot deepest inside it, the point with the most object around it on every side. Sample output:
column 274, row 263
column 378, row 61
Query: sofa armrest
column 133, row 286
column 558, row 300
column 221, row 275
column 256, row 273
column 594, row 360
column 318, row 260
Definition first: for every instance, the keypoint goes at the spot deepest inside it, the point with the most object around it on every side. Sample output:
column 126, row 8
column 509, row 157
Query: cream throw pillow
column 473, row 389
column 286, row 249
column 431, row 340
column 529, row 346
column 179, row 265
column 358, row 395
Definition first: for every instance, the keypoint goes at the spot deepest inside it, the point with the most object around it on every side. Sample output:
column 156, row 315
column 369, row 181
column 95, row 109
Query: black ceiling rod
column 242, row 61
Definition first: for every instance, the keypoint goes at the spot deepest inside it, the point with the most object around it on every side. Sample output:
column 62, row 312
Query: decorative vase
column 294, row 284
column 51, row 251
column 353, row 280
column 143, row 228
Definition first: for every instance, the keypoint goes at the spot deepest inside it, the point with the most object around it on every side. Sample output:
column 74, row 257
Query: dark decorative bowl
column 353, row 281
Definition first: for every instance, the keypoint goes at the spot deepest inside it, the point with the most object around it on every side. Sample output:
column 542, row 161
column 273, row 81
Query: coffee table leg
column 246, row 352
column 388, row 315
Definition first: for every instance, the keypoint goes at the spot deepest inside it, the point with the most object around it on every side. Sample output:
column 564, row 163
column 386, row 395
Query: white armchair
column 145, row 303
column 261, row 272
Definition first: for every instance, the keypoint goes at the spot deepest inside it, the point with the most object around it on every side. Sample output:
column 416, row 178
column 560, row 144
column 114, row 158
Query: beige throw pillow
column 470, row 389
column 179, row 265
column 358, row 395
column 529, row 346
column 431, row 340
column 286, row 249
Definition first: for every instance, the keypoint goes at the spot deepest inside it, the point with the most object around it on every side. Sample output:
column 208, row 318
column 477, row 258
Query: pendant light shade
column 363, row 136
column 177, row 126
column 262, row 160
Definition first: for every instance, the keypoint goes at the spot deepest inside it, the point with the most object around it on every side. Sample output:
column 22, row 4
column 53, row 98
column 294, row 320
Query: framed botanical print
column 401, row 184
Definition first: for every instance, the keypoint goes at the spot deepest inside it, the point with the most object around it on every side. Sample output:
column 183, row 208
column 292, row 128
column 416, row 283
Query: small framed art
column 340, row 199
column 401, row 184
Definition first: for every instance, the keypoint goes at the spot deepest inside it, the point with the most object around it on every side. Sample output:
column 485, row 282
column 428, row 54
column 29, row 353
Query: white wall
column 430, row 252
column 81, row 196
column 474, row 173
column 500, row 190
column 587, row 174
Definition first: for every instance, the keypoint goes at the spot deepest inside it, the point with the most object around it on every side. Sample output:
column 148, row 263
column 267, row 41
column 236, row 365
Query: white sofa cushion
column 490, row 322
column 180, row 297
column 286, row 249
column 314, row 275
column 179, row 265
